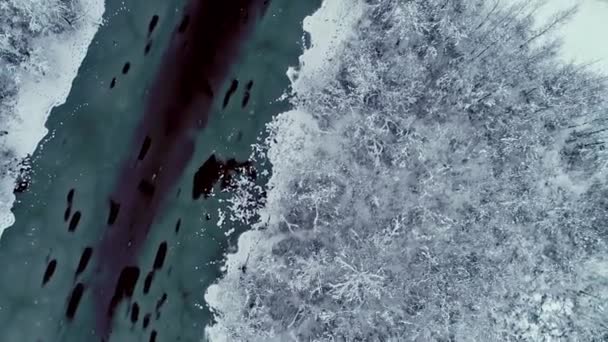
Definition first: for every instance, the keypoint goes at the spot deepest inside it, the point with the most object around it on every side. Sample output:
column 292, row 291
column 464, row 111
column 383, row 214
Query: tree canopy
column 444, row 181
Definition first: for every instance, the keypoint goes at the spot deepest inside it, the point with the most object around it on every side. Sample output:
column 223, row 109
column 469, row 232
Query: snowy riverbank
column 52, row 43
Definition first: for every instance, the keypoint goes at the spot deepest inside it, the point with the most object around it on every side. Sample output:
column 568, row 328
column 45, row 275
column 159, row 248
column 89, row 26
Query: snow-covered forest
column 441, row 177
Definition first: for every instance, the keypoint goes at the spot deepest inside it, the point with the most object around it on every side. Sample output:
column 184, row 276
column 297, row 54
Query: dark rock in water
column 74, row 221
column 124, row 287
column 74, row 301
column 146, row 187
column 306, row 40
column 125, row 68
column 183, row 26
column 245, row 100
column 134, row 313
column 232, row 167
column 21, row 185
column 67, row 213
column 177, row 225
column 23, row 179
column 70, row 196
column 212, row 171
column 144, row 148
column 114, row 211
column 146, row 320
column 160, row 256
column 148, row 47
column 113, row 83
column 68, row 210
column 148, row 282
column 84, row 260
column 153, row 336
column 206, row 176
column 152, row 24
column 159, row 304
column 50, row 270
column 247, row 95
column 233, row 86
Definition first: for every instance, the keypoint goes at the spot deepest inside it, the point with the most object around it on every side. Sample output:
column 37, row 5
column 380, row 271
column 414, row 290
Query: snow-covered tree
column 445, row 180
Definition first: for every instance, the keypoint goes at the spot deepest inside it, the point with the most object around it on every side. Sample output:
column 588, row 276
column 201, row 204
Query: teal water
column 89, row 137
